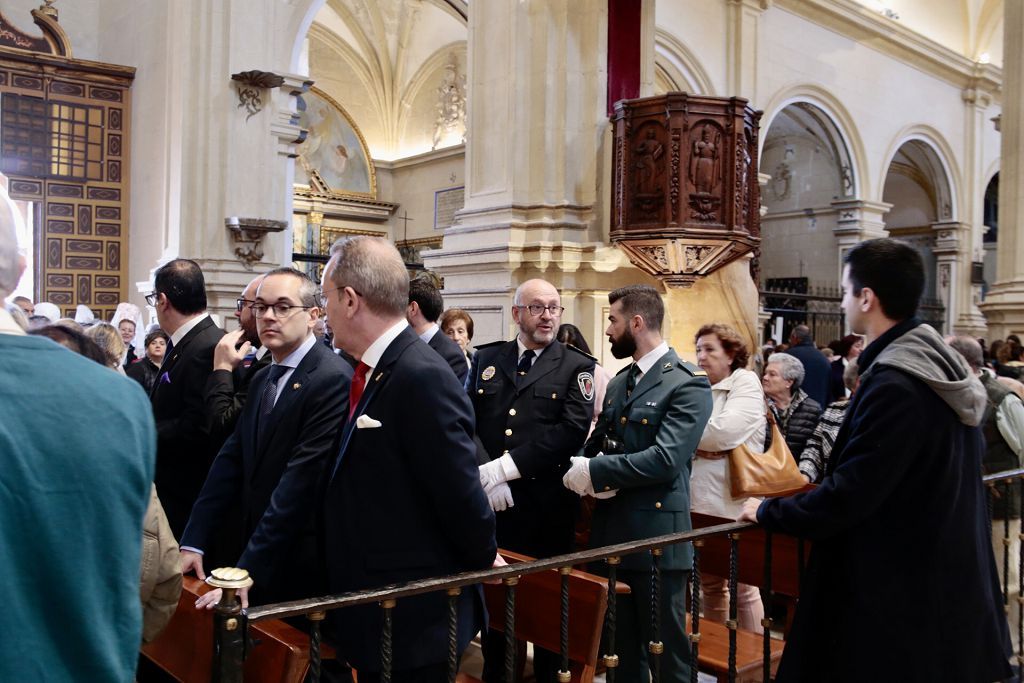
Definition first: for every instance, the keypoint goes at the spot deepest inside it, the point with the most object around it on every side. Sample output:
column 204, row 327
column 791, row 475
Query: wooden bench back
column 280, row 653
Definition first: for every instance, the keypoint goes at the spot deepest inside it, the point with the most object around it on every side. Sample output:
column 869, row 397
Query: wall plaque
column 446, row 203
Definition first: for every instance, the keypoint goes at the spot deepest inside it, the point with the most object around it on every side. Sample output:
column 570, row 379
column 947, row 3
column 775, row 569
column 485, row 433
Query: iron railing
column 230, row 640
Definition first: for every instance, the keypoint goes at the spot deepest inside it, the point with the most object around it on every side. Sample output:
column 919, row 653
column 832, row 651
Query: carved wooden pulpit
column 685, row 196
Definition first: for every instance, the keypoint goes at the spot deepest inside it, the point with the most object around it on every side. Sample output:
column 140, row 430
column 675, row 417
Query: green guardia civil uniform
column 659, row 424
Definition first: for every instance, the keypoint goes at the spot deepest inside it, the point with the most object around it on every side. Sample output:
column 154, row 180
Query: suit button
column 554, row 395
column 479, row 391
column 512, row 412
column 607, row 488
column 508, row 432
column 643, row 421
column 657, row 505
column 622, row 419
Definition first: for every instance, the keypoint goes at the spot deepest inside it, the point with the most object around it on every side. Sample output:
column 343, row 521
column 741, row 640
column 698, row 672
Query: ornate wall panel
column 64, row 145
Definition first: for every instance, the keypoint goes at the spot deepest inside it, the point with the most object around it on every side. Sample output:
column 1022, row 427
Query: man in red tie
column 403, row 500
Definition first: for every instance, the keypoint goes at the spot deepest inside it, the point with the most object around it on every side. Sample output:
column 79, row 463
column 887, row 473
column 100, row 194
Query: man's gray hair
column 970, row 349
column 790, row 368
column 374, row 268
column 802, row 334
column 10, row 270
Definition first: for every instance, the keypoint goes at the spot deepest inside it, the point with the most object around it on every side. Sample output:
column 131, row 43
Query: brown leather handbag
column 772, row 473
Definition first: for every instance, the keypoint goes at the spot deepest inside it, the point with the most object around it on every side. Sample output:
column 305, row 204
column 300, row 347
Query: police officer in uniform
column 637, row 464
column 533, row 398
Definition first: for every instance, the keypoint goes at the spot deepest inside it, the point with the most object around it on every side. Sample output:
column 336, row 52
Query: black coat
column 185, row 445
column 836, row 385
column 226, row 393
column 799, row 427
column 404, row 502
column 817, row 372
column 143, row 371
column 901, row 584
column 274, row 480
column 541, row 421
column 451, row 353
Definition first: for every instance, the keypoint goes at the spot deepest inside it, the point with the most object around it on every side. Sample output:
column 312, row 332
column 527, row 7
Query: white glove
column 577, row 479
column 498, row 472
column 500, row 497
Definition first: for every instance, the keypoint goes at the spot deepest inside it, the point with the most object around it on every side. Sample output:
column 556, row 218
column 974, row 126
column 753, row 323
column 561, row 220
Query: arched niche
column 811, row 167
column 677, row 69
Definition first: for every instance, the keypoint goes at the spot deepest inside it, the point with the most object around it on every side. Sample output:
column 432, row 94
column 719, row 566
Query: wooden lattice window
column 50, row 139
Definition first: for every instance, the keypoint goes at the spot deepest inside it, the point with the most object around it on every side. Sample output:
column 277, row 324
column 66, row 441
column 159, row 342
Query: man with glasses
column 236, row 360
column 534, row 399
column 186, row 445
column 276, row 456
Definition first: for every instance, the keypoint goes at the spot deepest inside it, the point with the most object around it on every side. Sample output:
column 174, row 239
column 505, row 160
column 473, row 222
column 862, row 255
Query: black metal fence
column 229, row 639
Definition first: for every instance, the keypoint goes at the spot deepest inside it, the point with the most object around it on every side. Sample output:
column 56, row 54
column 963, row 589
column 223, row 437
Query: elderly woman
column 109, row 339
column 814, row 459
column 458, row 325
column 145, row 370
column 737, row 417
column 795, row 412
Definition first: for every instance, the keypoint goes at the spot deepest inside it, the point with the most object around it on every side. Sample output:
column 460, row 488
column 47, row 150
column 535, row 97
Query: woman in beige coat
column 161, row 571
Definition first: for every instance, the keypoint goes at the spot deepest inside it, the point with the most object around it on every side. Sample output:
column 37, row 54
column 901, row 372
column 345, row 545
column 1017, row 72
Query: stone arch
column 422, row 79
column 934, row 157
column 678, row 67
column 837, row 115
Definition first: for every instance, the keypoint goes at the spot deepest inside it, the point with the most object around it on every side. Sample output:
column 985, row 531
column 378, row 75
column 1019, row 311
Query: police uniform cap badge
column 487, row 373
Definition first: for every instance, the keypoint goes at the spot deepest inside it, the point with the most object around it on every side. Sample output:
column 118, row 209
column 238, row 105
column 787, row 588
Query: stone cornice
column 892, row 38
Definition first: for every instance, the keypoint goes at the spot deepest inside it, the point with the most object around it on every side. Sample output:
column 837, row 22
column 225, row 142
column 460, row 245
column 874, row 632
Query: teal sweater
column 77, row 453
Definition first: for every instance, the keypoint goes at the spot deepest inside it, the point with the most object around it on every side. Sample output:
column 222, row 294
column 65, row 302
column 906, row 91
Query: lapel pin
column 667, row 366
column 296, row 385
column 379, row 375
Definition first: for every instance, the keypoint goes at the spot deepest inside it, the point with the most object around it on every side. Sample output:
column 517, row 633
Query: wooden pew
column 280, row 652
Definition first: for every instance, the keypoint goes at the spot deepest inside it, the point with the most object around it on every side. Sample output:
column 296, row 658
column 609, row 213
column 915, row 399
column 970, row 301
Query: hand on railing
column 749, row 512
column 209, row 600
column 499, row 561
column 191, row 561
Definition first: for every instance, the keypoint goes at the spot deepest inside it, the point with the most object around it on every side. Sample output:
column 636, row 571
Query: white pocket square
column 367, row 422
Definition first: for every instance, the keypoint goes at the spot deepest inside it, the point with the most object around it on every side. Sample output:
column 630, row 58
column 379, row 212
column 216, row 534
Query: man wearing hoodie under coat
column 901, row 584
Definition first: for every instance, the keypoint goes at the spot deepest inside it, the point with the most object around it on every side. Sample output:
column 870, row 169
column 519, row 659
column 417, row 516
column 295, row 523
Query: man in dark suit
column 534, row 399
column 425, row 307
column 638, row 463
column 185, row 445
column 403, row 499
column 817, row 370
column 236, row 360
column 901, row 516
column 272, row 464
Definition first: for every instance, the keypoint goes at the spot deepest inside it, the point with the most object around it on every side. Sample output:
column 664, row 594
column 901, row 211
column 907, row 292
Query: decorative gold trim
column 329, row 236
column 336, row 194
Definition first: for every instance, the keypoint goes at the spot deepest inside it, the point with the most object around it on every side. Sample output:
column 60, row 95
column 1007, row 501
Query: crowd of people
column 349, row 435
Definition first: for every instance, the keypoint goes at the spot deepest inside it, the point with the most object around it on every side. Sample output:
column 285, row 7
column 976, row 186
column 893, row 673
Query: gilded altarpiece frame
column 81, row 231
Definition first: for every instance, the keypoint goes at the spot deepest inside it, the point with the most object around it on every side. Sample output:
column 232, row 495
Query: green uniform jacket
column 660, row 425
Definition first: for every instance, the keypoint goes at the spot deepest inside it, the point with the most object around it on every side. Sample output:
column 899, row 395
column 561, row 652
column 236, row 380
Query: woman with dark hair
column 145, row 370
column 571, row 335
column 72, row 339
column 847, row 350
column 737, row 417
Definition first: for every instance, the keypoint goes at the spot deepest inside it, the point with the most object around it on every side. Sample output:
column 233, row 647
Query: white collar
column 374, row 352
column 293, row 359
column 429, row 334
column 536, row 352
column 8, row 324
column 647, row 361
column 186, row 327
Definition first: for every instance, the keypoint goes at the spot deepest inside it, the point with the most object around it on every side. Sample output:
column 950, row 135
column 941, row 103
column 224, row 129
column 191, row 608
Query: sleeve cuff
column 508, row 466
column 191, row 549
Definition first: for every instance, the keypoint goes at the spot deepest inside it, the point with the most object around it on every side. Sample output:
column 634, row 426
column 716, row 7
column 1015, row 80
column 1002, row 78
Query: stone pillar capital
column 285, row 123
column 860, row 218
column 948, row 238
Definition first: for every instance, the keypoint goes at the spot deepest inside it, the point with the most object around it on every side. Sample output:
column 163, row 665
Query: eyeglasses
column 321, row 293
column 537, row 309
column 151, row 298
column 280, row 310
column 242, row 303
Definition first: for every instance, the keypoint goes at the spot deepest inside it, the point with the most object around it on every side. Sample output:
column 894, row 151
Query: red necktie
column 358, row 384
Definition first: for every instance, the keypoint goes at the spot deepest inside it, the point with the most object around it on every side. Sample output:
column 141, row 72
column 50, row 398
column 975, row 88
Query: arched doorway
column 918, row 187
column 991, row 237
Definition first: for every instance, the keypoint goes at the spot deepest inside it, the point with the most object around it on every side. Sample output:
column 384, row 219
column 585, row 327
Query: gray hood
column 922, row 353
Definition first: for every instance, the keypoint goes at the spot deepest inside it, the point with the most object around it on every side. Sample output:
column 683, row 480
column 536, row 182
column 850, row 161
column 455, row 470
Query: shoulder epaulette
column 581, row 352
column 489, row 344
column 691, row 368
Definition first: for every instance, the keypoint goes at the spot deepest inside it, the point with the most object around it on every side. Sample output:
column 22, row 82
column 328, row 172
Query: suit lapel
column 652, row 377
column 169, row 362
column 508, row 359
column 286, row 398
column 373, row 383
column 547, row 363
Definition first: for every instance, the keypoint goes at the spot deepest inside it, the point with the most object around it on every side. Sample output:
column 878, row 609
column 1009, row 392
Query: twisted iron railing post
column 611, row 660
column 510, row 628
column 386, row 655
column 1006, row 547
column 564, row 676
column 229, row 625
column 656, row 647
column 695, row 610
column 453, row 633
column 731, row 623
column 314, row 644
column 766, row 620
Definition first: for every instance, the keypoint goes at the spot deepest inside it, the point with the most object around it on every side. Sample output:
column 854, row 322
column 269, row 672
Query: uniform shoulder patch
column 586, row 383
column 581, row 352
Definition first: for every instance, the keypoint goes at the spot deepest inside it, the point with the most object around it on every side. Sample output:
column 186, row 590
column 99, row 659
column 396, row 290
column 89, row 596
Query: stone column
column 977, row 99
column 1004, row 305
column 537, row 165
column 858, row 220
column 742, row 41
column 950, row 237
